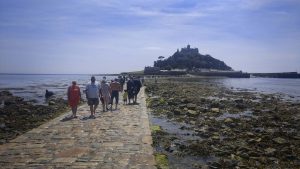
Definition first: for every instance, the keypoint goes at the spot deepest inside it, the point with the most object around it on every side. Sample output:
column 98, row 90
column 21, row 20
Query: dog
column 48, row 94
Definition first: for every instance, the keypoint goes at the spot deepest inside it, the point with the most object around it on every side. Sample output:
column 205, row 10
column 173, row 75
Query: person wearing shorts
column 92, row 95
column 115, row 88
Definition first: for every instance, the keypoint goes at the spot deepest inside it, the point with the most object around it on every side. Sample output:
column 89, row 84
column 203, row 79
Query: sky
column 112, row 36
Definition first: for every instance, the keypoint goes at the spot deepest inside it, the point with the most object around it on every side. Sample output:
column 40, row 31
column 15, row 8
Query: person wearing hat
column 92, row 95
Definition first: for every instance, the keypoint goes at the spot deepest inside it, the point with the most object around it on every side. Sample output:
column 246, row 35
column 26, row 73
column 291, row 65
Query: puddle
column 182, row 130
column 184, row 133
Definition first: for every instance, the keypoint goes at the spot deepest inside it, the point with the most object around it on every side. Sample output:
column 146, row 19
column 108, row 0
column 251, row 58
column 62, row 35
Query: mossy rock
column 149, row 102
column 162, row 101
column 155, row 129
column 161, row 161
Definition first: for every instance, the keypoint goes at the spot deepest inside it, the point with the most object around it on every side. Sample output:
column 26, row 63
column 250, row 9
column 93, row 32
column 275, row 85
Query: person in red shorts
column 74, row 96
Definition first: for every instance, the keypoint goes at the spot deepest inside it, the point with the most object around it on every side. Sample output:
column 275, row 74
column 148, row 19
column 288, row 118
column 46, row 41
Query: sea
column 289, row 89
column 32, row 87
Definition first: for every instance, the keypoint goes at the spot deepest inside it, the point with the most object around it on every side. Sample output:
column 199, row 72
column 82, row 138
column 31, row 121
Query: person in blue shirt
column 92, row 95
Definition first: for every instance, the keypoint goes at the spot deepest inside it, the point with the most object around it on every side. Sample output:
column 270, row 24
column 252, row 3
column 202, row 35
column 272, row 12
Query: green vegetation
column 155, row 129
column 161, row 161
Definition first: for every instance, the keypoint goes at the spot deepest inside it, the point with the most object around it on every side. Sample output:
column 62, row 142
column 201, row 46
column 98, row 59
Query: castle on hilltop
column 188, row 49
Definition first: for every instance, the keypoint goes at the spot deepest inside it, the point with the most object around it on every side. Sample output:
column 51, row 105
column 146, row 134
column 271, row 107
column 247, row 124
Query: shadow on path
column 67, row 118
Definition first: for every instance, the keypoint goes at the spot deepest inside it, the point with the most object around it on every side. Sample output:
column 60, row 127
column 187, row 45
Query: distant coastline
column 108, row 74
column 230, row 74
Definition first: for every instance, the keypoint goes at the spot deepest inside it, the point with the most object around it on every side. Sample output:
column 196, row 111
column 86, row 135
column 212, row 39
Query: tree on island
column 161, row 57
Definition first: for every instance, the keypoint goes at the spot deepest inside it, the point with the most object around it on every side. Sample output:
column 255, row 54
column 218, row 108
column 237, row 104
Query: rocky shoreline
column 206, row 125
column 18, row 116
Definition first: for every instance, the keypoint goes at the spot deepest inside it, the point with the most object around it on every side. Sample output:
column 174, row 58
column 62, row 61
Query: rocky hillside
column 190, row 59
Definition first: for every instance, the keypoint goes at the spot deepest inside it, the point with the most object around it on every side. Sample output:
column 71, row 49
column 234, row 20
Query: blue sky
column 95, row 36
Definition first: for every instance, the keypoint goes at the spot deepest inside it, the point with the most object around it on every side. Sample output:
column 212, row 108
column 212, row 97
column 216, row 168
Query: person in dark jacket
column 137, row 87
column 130, row 89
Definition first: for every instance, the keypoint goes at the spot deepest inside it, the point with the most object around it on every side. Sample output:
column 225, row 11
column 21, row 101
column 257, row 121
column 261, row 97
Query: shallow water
column 244, row 114
column 183, row 135
column 288, row 87
column 32, row 87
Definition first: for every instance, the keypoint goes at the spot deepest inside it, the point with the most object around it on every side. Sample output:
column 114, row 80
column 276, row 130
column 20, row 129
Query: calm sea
column 32, row 87
column 288, row 88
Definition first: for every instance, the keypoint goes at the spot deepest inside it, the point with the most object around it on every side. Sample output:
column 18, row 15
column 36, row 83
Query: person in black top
column 122, row 82
column 130, row 89
column 137, row 87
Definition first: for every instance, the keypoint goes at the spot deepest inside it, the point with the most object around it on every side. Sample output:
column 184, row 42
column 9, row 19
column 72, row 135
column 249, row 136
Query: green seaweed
column 161, row 161
column 155, row 129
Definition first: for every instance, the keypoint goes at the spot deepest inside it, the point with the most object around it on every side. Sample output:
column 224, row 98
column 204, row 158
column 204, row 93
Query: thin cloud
column 152, row 48
column 111, row 36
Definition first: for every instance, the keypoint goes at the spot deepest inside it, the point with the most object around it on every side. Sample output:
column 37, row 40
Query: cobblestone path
column 117, row 139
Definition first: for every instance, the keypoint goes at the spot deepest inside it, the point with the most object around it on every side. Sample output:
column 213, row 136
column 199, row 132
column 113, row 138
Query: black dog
column 48, row 94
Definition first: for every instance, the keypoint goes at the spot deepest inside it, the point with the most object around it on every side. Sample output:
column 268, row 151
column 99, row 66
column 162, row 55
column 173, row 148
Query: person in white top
column 92, row 95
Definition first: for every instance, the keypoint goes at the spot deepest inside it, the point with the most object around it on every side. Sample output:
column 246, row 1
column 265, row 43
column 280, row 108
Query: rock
column 270, row 130
column 240, row 106
column 5, row 93
column 2, row 125
column 182, row 106
column 33, row 101
column 51, row 103
column 191, row 106
column 192, row 112
column 177, row 112
column 244, row 155
column 216, row 164
column 215, row 137
column 249, row 134
column 171, row 102
column 215, row 110
column 203, row 109
column 26, row 110
column 239, row 100
column 279, row 140
column 290, row 157
column 9, row 102
column 228, row 120
column 215, row 104
column 184, row 100
column 2, row 141
column 258, row 140
column 269, row 151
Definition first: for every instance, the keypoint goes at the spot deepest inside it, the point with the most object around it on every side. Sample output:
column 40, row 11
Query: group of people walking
column 105, row 92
